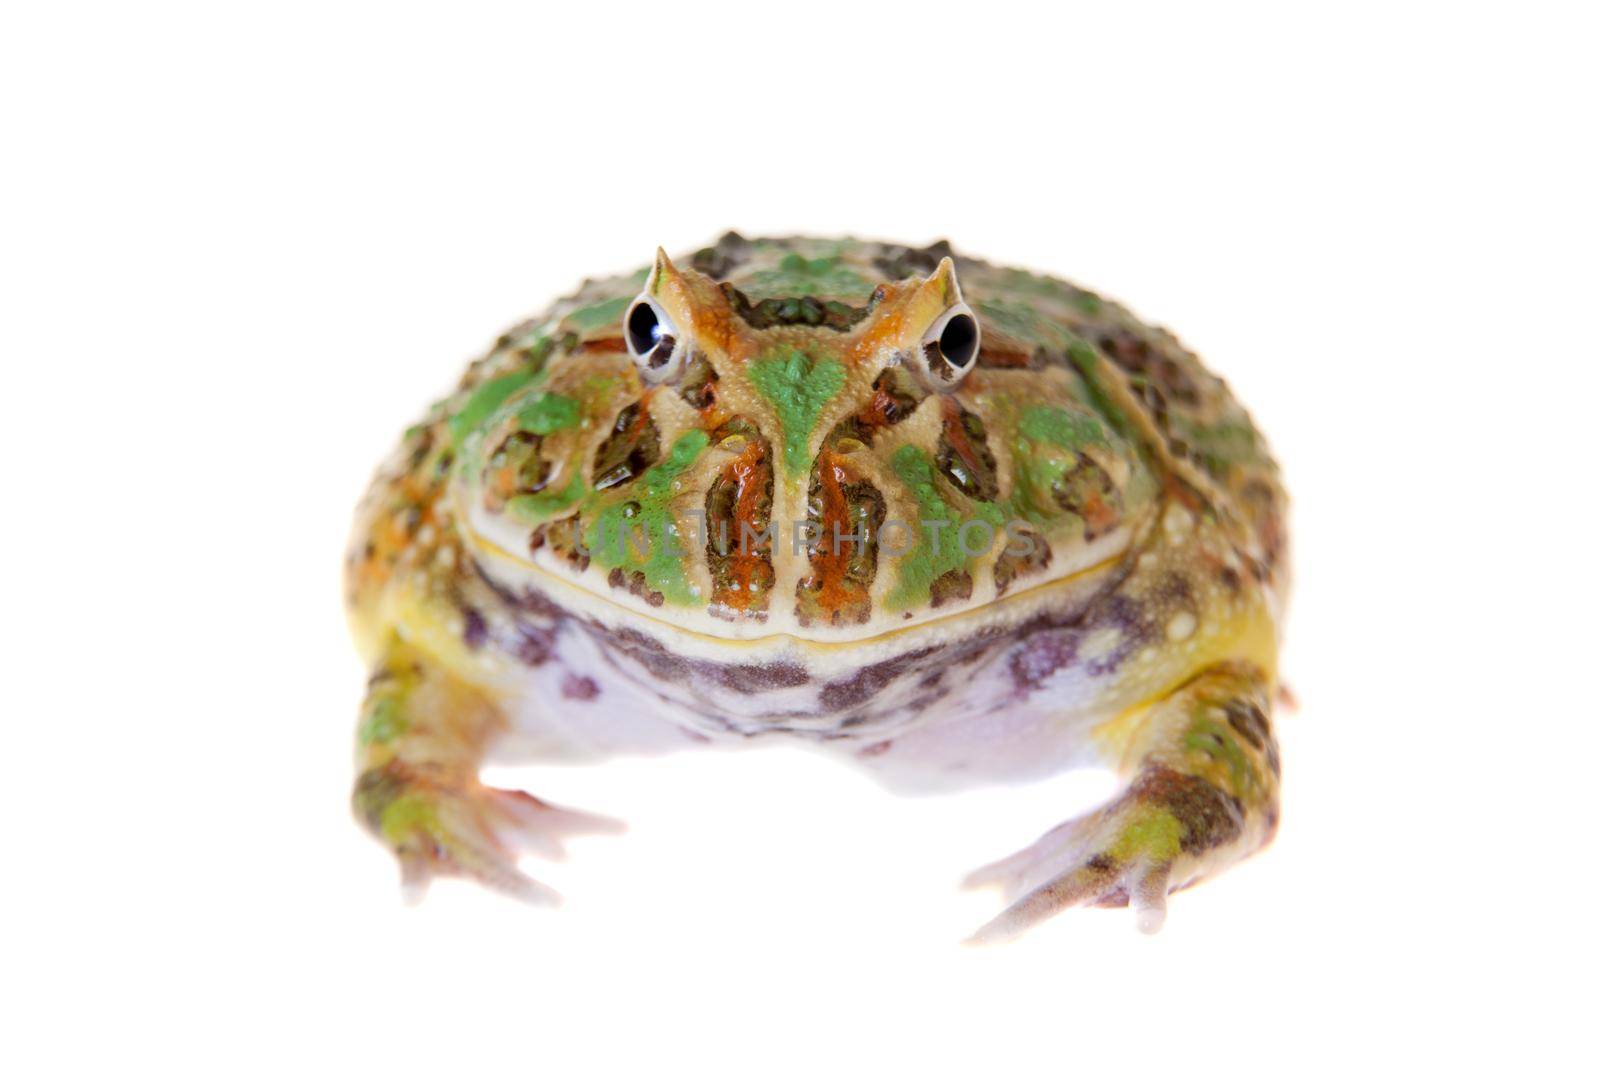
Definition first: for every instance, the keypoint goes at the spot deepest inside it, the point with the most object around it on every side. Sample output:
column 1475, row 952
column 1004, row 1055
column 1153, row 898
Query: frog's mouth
column 699, row 633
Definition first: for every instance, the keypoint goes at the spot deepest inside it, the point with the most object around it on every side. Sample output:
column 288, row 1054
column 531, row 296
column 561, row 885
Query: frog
column 957, row 523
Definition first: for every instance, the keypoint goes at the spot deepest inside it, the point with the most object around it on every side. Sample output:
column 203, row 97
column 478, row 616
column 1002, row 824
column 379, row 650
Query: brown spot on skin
column 634, row 446
column 1088, row 492
column 531, row 646
column 878, row 748
column 1012, row 565
column 375, row 790
column 1137, row 356
column 754, row 677
column 1043, row 654
column 474, row 631
column 1209, row 816
column 951, row 585
column 837, row 696
column 1251, row 727
column 563, row 538
column 579, row 687
column 891, row 402
column 900, row 263
column 997, row 353
column 963, row 453
column 722, row 258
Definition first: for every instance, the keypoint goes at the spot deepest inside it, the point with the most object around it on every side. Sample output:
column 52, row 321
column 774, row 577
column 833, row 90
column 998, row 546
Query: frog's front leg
column 1202, row 794
column 422, row 736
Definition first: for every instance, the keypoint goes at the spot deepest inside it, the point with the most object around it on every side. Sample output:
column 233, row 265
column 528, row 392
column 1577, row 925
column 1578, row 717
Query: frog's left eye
column 950, row 347
column 652, row 338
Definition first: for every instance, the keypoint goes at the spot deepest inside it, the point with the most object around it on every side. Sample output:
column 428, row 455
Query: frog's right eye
column 652, row 339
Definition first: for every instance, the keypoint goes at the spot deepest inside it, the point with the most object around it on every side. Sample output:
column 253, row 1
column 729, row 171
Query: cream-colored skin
column 1116, row 602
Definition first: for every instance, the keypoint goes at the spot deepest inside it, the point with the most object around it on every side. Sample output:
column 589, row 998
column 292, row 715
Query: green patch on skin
column 1087, row 360
column 545, row 413
column 1220, row 445
column 795, row 275
column 638, row 533
column 798, row 388
column 926, row 561
column 1044, row 452
column 1036, row 479
column 1025, row 323
column 1152, row 834
column 407, row 814
column 383, row 723
column 484, row 401
column 596, row 315
column 1215, row 740
column 1066, row 429
column 535, row 507
column 1027, row 284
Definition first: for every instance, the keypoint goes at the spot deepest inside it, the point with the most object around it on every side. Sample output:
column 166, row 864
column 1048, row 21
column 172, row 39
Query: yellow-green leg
column 421, row 739
column 1203, row 794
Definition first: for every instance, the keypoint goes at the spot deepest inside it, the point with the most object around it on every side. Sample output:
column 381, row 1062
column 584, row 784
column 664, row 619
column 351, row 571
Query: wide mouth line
column 785, row 636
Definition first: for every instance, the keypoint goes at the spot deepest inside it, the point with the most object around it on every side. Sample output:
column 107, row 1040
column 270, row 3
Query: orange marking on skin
column 956, row 434
column 505, row 483
column 880, row 406
column 1098, row 516
column 829, row 566
column 746, row 566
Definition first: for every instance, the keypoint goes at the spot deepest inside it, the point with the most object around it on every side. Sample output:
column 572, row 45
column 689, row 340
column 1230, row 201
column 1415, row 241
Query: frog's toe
column 1086, row 883
column 1151, row 887
column 1116, row 857
column 537, row 827
column 1026, row 868
column 468, row 830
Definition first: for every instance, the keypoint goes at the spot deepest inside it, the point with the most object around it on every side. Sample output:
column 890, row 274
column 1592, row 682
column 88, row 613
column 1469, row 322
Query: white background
column 244, row 245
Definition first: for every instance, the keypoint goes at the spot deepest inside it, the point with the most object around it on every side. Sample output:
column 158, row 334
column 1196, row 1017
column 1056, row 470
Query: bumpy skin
column 1125, row 611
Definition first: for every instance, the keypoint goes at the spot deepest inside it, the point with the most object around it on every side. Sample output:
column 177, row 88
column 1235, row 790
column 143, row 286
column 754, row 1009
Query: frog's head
column 798, row 366
column 796, row 441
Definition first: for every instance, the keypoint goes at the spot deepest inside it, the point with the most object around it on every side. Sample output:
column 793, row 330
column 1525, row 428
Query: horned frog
column 959, row 523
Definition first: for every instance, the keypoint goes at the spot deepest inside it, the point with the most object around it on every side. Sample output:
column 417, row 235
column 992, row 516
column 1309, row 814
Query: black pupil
column 644, row 329
column 959, row 341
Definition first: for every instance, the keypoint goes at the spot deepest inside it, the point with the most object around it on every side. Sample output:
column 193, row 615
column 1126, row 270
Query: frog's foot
column 464, row 828
column 1205, row 796
column 1131, row 852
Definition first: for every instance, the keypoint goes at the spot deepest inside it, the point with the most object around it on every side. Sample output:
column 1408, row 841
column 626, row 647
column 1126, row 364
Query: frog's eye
column 950, row 347
column 652, row 338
